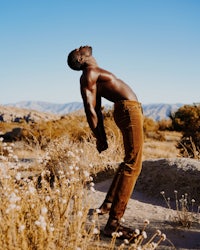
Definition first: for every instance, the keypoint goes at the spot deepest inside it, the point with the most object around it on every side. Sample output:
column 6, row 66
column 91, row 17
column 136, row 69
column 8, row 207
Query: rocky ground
column 147, row 203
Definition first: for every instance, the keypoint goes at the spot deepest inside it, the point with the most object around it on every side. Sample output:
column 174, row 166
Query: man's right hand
column 101, row 145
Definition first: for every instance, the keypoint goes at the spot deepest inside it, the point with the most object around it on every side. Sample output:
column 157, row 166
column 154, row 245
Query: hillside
column 12, row 113
column 160, row 111
column 155, row 111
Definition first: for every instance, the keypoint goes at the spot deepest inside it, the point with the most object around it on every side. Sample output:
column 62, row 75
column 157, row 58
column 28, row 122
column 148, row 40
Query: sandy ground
column 143, row 206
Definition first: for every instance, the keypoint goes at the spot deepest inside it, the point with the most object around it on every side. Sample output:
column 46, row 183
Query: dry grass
column 162, row 149
column 38, row 217
column 185, row 215
column 35, row 215
column 44, row 217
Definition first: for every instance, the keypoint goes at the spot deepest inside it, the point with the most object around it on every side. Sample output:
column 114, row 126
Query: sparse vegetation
column 186, row 120
column 38, row 212
column 185, row 209
column 44, row 200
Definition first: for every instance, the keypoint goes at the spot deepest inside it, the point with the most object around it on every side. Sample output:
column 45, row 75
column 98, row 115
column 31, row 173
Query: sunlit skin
column 95, row 83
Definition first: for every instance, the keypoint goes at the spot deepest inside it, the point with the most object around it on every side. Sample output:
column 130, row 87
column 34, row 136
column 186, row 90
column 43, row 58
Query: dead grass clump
column 62, row 151
column 185, row 209
column 188, row 148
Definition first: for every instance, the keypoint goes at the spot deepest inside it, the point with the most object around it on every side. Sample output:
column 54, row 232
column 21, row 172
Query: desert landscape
column 147, row 202
column 53, row 179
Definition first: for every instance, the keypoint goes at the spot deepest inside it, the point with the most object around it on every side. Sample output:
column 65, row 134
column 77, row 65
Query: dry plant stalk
column 185, row 215
column 37, row 215
column 45, row 217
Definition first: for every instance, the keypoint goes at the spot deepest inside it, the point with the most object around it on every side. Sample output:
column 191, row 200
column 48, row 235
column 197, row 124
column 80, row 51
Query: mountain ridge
column 155, row 111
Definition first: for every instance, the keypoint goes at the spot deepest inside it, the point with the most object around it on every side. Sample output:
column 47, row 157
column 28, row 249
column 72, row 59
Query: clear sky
column 153, row 45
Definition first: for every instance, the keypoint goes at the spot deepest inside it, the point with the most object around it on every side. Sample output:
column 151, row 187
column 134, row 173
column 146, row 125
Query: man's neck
column 91, row 62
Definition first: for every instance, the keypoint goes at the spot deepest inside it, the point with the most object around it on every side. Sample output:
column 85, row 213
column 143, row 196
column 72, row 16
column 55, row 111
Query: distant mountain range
column 47, row 107
column 155, row 111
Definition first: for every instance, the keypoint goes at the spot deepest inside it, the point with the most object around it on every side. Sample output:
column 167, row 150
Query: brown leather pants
column 129, row 118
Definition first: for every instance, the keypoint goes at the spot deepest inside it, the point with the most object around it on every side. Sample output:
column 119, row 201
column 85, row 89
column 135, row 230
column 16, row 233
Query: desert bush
column 151, row 130
column 150, row 125
column 186, row 120
column 165, row 124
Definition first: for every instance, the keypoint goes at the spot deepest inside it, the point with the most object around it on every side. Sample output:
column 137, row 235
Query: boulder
column 168, row 175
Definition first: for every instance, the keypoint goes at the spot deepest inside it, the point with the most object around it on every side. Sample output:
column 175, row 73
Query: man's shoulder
column 91, row 70
column 88, row 79
column 90, row 74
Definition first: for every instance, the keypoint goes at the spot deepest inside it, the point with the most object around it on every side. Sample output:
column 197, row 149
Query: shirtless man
column 96, row 83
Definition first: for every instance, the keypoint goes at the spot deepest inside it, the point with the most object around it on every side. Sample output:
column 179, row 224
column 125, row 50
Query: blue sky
column 153, row 45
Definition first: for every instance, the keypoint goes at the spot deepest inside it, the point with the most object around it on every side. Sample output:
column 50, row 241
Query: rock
column 168, row 175
column 15, row 134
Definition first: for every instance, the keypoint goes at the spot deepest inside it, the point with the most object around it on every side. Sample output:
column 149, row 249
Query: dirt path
column 141, row 207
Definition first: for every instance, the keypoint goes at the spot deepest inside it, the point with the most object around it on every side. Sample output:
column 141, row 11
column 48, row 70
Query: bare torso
column 95, row 83
column 107, row 85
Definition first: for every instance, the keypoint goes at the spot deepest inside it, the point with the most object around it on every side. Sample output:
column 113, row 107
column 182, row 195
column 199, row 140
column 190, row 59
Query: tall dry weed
column 37, row 216
column 45, row 217
column 49, row 210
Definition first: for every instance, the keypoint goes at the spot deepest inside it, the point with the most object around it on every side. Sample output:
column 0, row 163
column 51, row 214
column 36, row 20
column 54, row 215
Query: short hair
column 73, row 62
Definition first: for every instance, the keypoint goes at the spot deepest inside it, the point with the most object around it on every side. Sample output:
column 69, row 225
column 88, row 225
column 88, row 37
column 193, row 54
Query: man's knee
column 131, row 168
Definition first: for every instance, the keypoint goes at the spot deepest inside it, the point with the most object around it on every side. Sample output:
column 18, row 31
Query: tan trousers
column 128, row 117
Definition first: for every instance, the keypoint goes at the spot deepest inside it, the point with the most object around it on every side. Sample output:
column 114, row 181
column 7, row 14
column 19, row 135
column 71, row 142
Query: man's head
column 77, row 58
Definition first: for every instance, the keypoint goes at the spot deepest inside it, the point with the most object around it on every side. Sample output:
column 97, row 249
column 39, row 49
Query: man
column 96, row 83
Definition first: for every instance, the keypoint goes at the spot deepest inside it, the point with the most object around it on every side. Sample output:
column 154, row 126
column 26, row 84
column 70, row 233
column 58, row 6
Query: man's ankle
column 112, row 222
column 105, row 207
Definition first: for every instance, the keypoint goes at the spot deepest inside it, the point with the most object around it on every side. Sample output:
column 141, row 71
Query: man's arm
column 102, row 142
column 93, row 112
